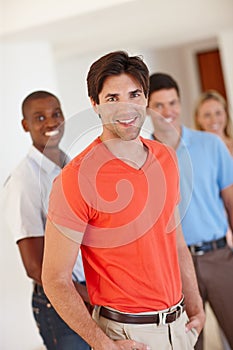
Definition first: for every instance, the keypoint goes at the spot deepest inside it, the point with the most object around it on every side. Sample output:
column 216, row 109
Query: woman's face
column 211, row 116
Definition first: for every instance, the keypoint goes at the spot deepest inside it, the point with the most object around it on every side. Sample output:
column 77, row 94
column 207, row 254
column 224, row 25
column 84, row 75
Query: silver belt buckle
column 162, row 318
column 193, row 249
column 178, row 309
column 200, row 253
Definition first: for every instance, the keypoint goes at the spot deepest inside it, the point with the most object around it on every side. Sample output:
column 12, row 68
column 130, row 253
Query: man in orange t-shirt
column 117, row 201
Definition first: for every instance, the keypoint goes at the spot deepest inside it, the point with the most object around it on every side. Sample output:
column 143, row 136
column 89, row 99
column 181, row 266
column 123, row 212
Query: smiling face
column 211, row 116
column 44, row 120
column 166, row 103
column 122, row 107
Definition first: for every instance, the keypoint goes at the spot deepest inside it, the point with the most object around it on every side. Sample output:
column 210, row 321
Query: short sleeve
column 67, row 207
column 22, row 208
column 225, row 165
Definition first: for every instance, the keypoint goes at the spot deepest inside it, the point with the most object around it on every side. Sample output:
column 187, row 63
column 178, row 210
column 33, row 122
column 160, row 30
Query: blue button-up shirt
column 206, row 168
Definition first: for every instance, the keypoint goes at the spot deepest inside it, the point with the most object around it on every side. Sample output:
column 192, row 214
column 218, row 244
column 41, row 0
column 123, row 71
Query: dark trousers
column 214, row 272
column 56, row 334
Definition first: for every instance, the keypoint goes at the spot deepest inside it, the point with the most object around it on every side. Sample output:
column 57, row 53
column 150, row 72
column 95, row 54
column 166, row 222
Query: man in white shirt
column 25, row 196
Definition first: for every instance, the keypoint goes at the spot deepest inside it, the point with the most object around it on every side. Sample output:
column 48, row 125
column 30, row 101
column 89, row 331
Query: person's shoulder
column 229, row 144
column 204, row 136
column 198, row 133
column 152, row 143
column 21, row 180
column 209, row 143
column 157, row 146
column 19, row 172
column 75, row 163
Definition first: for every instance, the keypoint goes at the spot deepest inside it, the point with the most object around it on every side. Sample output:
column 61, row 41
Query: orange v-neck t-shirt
column 124, row 220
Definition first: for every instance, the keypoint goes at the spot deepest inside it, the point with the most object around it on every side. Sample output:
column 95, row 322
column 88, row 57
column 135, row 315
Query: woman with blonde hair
column 211, row 114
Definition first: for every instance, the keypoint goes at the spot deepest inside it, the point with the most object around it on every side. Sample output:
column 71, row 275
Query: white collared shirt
column 25, row 198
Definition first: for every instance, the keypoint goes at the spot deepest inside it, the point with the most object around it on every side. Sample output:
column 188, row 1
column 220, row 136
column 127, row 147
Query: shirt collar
column 152, row 137
column 185, row 137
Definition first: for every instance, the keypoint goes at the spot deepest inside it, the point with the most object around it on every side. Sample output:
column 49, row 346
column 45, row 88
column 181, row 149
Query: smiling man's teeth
column 126, row 121
column 52, row 133
column 168, row 120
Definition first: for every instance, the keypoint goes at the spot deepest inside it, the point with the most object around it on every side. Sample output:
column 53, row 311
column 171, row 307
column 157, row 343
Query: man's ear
column 94, row 105
column 25, row 125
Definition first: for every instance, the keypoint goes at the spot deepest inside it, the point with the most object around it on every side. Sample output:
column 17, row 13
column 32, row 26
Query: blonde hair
column 213, row 95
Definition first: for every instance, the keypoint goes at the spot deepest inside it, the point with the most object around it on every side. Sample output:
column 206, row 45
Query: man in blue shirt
column 206, row 208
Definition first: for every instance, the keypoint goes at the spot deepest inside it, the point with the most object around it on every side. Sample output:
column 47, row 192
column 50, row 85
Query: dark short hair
column 160, row 81
column 35, row 96
column 116, row 63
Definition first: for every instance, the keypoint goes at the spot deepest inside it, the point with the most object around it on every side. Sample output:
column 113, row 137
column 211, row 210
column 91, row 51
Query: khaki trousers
column 163, row 337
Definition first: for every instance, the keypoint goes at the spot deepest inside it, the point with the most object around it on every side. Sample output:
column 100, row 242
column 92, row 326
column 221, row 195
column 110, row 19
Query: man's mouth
column 52, row 133
column 127, row 121
column 168, row 120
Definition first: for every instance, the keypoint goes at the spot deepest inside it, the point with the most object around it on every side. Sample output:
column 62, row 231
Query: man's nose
column 125, row 107
column 167, row 111
column 52, row 122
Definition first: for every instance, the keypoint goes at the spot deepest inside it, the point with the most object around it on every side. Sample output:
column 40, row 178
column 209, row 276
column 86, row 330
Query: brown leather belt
column 163, row 317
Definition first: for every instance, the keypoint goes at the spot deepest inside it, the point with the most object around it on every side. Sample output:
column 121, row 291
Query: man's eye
column 112, row 99
column 41, row 118
column 58, row 114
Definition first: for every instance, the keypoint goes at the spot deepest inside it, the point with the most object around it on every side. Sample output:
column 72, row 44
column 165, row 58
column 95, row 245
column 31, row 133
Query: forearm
column 229, row 210
column 34, row 272
column 69, row 304
column 82, row 290
column 193, row 299
column 227, row 196
column 230, row 218
column 190, row 288
column 31, row 251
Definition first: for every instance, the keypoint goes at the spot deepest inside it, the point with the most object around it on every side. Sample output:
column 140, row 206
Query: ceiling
column 134, row 24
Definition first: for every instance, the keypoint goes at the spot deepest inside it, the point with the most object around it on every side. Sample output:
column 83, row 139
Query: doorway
column 210, row 71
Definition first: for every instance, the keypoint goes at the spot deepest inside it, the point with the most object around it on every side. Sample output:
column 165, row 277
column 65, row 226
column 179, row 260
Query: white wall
column 172, row 61
column 71, row 75
column 26, row 67
column 226, row 47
